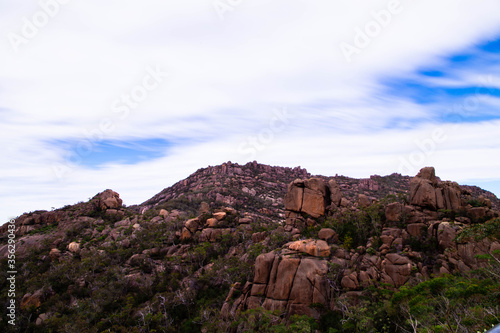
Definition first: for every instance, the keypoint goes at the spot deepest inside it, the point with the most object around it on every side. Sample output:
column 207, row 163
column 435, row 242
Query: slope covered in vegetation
column 250, row 248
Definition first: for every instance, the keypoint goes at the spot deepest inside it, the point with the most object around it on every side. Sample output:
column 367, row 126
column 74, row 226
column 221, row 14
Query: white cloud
column 226, row 78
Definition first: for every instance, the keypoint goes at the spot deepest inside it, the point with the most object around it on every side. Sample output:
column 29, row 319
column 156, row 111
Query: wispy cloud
column 225, row 80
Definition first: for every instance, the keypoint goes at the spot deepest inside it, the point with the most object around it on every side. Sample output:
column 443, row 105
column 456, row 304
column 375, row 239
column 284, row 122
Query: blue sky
column 119, row 152
column 136, row 96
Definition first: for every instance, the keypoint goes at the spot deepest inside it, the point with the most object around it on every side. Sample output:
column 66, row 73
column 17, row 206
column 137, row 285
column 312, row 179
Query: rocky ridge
column 270, row 238
column 298, row 276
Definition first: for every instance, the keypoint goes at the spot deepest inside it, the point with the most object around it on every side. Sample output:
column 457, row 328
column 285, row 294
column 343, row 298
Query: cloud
column 226, row 79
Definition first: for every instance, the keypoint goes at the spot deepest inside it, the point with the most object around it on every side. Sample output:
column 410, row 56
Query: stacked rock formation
column 311, row 197
column 426, row 190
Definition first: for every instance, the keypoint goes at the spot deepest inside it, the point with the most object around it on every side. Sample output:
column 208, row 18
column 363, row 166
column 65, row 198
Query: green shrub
column 477, row 232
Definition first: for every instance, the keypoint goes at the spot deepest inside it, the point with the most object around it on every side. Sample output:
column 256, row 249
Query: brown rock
column 309, row 284
column 443, row 270
column 335, row 192
column 287, row 284
column 422, row 193
column 108, row 199
column 212, row 222
column 33, row 300
column 428, row 192
column 467, row 252
column 387, row 240
column 192, row 225
column 485, row 201
column 398, row 244
column 309, row 196
column 74, row 247
column 350, row 282
column 397, row 259
column 186, row 234
column 327, row 234
column 55, row 254
column 318, row 248
column 416, row 229
column 294, row 196
column 280, row 283
column 393, row 212
column 220, row 216
column 263, row 265
column 395, row 274
column 313, row 203
column 476, row 213
column 274, row 305
column 41, row 319
column 259, row 236
column 213, row 235
column 316, row 185
column 495, row 246
column 204, row 208
column 446, row 234
column 451, row 195
column 365, row 279
column 245, row 220
column 364, row 201
column 258, row 290
column 440, row 204
column 428, row 173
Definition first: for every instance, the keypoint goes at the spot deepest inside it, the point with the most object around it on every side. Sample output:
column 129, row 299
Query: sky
column 137, row 95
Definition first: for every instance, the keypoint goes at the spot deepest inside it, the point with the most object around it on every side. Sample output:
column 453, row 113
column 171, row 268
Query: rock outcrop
column 285, row 283
column 427, row 191
column 310, row 198
column 313, row 247
column 211, row 229
column 108, row 199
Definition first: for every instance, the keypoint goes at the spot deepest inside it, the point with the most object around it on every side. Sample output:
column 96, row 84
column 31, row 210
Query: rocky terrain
column 238, row 248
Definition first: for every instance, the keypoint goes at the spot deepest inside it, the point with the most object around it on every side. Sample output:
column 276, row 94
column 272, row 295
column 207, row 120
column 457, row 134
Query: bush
column 477, row 232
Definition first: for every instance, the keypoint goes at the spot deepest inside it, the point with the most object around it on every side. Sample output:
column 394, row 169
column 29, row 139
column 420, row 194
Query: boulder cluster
column 301, row 273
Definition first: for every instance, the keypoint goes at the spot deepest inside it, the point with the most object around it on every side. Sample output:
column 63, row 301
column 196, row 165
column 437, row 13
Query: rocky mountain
column 239, row 248
column 254, row 186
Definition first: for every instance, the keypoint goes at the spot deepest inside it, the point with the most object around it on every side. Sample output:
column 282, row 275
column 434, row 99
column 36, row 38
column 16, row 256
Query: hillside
column 239, row 248
column 255, row 186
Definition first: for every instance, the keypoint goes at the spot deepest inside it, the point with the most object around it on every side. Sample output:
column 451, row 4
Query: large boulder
column 314, row 247
column 350, row 281
column 310, row 196
column 328, row 234
column 422, row 189
column 108, row 199
column 451, row 196
column 192, row 225
column 416, row 229
column 286, row 284
column 335, row 192
column 309, row 287
column 294, row 196
column 315, row 197
column 427, row 191
column 364, row 201
column 446, row 234
column 396, row 269
column 477, row 213
column 393, row 212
